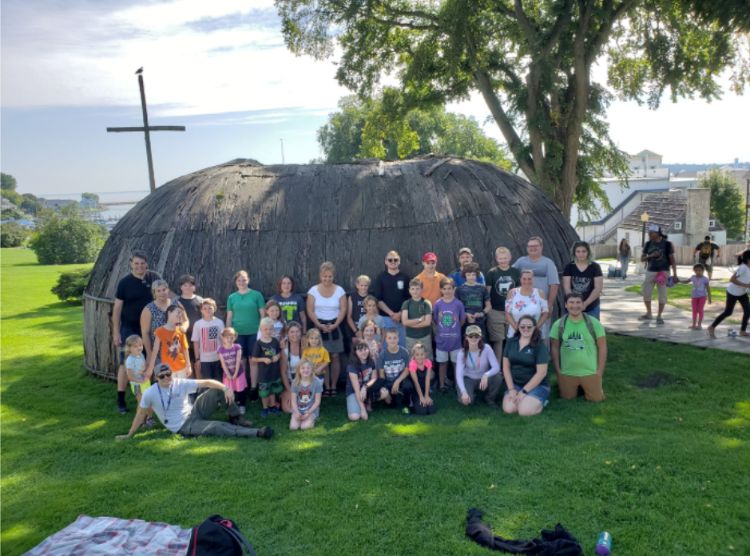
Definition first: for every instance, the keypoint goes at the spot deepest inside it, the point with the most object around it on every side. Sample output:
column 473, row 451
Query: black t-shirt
column 706, row 250
column 358, row 306
column 500, row 283
column 583, row 282
column 266, row 372
column 523, row 363
column 135, row 294
column 192, row 311
column 363, row 371
column 391, row 289
column 663, row 249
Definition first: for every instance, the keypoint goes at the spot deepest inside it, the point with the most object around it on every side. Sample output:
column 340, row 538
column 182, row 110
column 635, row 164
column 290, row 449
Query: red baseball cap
column 429, row 256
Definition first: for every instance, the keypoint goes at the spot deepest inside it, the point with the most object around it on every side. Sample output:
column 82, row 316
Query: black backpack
column 218, row 536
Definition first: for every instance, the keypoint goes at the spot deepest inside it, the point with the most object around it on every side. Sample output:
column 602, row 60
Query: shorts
column 591, row 384
column 247, row 343
column 212, row 369
column 126, row 331
column 352, row 405
column 541, row 392
column 648, row 287
column 496, row 327
column 424, row 340
column 139, row 388
column 265, row 389
column 443, row 356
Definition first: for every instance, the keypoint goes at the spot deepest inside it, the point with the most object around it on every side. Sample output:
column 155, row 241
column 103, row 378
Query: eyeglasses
column 473, row 336
column 164, row 375
column 525, row 326
column 392, row 260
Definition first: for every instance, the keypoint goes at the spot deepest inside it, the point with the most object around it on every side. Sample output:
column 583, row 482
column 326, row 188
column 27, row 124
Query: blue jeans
column 388, row 323
column 594, row 311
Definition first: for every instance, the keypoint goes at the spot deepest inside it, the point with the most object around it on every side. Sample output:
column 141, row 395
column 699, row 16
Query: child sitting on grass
column 361, row 380
column 306, row 395
column 266, row 355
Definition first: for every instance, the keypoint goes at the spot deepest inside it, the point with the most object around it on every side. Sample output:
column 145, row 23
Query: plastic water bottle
column 604, row 544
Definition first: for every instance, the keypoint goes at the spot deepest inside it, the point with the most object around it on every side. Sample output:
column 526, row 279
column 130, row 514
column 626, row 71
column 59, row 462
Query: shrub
column 70, row 285
column 67, row 238
column 12, row 234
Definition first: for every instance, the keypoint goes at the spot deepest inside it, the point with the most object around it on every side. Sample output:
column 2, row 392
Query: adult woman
column 245, row 308
column 737, row 292
column 525, row 370
column 326, row 309
column 623, row 254
column 154, row 314
column 477, row 369
column 584, row 276
column 291, row 355
column 525, row 300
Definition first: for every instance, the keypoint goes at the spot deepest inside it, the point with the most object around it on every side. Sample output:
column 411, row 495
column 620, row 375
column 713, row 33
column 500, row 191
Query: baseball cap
column 465, row 250
column 473, row 329
column 429, row 256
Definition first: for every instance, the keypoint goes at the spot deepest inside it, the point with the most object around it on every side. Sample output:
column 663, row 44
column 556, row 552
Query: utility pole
column 282, row 150
column 147, row 129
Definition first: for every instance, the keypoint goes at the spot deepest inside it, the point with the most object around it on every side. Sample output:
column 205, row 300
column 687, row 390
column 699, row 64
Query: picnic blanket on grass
column 113, row 536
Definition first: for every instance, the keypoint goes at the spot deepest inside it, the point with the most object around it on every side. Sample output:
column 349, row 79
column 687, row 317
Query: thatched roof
column 287, row 219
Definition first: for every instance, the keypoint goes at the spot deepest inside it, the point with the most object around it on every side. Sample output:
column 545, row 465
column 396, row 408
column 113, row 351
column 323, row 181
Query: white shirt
column 171, row 404
column 743, row 275
column 327, row 308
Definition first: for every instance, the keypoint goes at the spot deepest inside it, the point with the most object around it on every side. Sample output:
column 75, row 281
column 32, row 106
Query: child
column 315, row 352
column 266, row 355
column 448, row 316
column 474, row 296
column 356, row 303
column 701, row 291
column 273, row 311
column 291, row 356
column 361, row 377
column 232, row 365
column 206, row 340
column 371, row 313
column 420, row 371
column 370, row 333
column 172, row 345
column 393, row 369
column 292, row 304
column 135, row 365
column 416, row 316
column 306, row 395
column 191, row 303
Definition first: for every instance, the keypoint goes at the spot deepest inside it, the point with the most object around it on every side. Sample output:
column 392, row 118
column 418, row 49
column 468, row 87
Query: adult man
column 707, row 252
column 658, row 253
column 132, row 295
column 391, row 289
column 430, row 277
column 169, row 398
column 464, row 256
column 500, row 280
column 546, row 277
column 579, row 351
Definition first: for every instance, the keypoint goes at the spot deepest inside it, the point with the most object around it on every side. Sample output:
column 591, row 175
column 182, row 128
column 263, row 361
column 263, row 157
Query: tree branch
column 561, row 24
column 525, row 24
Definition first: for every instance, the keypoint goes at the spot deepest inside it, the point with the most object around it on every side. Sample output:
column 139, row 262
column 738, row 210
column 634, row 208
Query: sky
column 67, row 71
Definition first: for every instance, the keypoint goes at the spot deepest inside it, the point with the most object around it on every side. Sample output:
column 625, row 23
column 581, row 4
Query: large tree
column 380, row 128
column 726, row 201
column 532, row 63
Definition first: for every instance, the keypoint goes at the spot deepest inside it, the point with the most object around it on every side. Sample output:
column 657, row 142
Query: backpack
column 218, row 536
column 587, row 320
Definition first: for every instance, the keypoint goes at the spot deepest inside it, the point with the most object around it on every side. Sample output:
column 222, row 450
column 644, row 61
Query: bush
column 67, row 238
column 70, row 285
column 12, row 234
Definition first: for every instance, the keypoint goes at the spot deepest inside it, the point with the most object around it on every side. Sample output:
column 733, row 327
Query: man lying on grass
column 169, row 399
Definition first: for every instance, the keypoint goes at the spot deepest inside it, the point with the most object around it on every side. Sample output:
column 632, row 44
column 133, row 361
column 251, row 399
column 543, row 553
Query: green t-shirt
column 415, row 310
column 246, row 311
column 578, row 351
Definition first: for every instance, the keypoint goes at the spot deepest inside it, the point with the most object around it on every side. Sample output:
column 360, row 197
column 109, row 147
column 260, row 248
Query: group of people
column 406, row 338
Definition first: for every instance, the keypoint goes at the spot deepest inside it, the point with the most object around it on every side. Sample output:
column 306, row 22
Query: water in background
column 115, row 203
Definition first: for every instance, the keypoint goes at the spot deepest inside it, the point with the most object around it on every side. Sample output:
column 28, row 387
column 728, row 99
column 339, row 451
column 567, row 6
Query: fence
column 684, row 254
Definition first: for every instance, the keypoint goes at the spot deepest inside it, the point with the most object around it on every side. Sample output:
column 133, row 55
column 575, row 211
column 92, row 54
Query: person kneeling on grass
column 477, row 370
column 362, row 382
column 579, row 351
column 169, row 399
column 525, row 363
column 305, row 399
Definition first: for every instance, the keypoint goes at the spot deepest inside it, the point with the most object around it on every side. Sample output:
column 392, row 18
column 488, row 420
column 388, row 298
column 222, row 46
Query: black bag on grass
column 218, row 536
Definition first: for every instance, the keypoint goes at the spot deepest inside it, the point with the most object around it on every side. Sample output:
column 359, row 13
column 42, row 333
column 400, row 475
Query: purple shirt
column 700, row 286
column 448, row 317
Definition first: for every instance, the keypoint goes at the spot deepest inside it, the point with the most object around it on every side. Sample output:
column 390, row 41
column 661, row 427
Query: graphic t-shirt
column 473, row 297
column 305, row 394
column 137, row 365
column 660, row 251
column 267, row 372
column 447, row 317
column 523, row 362
column 416, row 309
column 229, row 355
column 358, row 306
column 501, row 282
column 393, row 364
column 362, row 371
column 316, row 355
column 171, row 405
column 208, row 335
column 578, row 351
column 173, row 342
column 291, row 307
column 583, row 281
column 706, row 250
column 391, row 289
column 245, row 309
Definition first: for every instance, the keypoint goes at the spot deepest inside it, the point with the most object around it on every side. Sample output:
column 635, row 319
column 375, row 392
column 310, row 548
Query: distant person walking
column 624, row 252
column 736, row 292
column 658, row 254
column 707, row 252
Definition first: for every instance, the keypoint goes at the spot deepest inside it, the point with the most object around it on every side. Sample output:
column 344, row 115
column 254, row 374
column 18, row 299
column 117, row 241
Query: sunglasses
column 392, row 260
column 164, row 375
column 474, row 336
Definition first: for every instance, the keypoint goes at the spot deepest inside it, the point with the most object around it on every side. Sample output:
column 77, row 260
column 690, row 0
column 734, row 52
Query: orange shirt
column 431, row 286
column 173, row 346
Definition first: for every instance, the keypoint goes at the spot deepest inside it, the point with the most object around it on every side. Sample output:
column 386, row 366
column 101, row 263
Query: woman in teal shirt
column 245, row 308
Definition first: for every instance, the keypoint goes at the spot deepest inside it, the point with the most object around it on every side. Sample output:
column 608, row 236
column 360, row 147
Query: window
column 711, row 223
column 678, row 225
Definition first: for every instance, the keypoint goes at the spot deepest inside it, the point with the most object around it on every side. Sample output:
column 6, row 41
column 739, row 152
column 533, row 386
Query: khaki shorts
column 648, row 287
column 426, row 341
column 497, row 330
column 591, row 384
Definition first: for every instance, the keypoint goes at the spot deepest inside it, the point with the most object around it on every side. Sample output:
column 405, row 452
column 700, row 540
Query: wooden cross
column 147, row 129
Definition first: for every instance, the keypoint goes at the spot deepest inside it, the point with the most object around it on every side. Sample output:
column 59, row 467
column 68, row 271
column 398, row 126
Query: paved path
column 621, row 309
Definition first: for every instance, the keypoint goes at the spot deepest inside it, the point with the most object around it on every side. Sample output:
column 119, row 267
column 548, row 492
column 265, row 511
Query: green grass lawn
column 665, row 469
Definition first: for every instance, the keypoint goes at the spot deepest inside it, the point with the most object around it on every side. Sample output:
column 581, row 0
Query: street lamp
column 644, row 221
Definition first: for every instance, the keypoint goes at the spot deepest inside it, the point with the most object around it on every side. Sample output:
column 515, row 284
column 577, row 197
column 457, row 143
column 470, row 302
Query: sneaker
column 405, row 411
column 647, row 316
column 659, row 320
column 265, row 432
column 242, row 409
column 122, row 409
column 274, row 411
column 241, row 422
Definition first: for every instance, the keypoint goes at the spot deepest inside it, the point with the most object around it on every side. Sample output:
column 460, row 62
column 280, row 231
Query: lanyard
column 169, row 402
column 472, row 361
